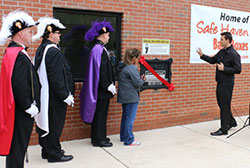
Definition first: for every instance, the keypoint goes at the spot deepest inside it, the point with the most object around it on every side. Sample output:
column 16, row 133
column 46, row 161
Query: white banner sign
column 207, row 23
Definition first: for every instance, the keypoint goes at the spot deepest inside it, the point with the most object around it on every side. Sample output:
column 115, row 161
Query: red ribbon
column 144, row 62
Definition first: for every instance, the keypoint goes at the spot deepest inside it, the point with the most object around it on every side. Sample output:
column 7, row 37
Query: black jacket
column 58, row 70
column 232, row 64
column 21, row 82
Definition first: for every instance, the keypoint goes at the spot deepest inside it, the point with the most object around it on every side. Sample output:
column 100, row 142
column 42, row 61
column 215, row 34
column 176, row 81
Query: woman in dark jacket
column 129, row 82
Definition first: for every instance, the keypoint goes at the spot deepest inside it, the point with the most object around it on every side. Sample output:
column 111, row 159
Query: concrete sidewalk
column 186, row 146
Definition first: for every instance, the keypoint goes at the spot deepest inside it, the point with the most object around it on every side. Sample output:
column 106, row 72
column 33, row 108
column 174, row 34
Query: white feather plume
column 43, row 22
column 7, row 22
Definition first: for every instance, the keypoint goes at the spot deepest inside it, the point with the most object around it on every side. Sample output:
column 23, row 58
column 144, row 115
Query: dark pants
column 224, row 93
column 20, row 141
column 51, row 143
column 99, row 124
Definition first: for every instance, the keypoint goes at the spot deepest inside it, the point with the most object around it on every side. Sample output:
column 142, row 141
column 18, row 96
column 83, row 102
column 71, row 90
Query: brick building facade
column 193, row 99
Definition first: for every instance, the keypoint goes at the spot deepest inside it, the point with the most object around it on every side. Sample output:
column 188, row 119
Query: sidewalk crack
column 115, row 158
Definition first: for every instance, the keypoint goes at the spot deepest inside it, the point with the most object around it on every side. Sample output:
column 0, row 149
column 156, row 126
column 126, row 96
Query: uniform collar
column 47, row 41
column 20, row 45
column 99, row 42
column 17, row 44
column 229, row 49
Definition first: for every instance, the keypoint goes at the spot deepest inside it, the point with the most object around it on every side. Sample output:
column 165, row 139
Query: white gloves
column 112, row 88
column 69, row 100
column 33, row 110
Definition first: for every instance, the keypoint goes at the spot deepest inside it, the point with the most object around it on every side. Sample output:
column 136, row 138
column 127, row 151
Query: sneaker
column 135, row 143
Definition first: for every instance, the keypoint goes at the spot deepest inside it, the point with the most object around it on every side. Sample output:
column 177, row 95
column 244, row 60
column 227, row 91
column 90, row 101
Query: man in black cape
column 57, row 89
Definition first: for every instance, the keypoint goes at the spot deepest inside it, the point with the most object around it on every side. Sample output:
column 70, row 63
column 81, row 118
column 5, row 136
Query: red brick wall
column 194, row 97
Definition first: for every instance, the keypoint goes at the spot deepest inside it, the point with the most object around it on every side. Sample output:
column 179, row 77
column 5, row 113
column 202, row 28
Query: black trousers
column 224, row 93
column 51, row 143
column 20, row 141
column 99, row 124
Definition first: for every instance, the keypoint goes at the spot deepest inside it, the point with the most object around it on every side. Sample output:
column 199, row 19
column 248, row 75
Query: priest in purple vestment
column 99, row 84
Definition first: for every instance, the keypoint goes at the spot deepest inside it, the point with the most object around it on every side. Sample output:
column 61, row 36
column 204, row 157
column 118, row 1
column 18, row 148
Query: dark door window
column 73, row 45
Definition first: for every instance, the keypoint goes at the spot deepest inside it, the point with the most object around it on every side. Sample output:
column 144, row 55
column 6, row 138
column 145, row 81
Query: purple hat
column 97, row 29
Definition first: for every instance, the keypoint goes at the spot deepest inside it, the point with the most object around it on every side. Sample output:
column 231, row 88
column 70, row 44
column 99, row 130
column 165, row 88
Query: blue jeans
column 128, row 118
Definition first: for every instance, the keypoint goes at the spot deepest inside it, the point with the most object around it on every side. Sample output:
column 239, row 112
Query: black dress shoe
column 44, row 154
column 64, row 158
column 102, row 144
column 107, row 139
column 231, row 125
column 219, row 132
